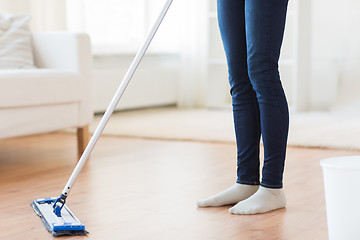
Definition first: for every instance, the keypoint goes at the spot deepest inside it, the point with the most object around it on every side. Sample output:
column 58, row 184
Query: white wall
column 155, row 82
column 335, row 53
column 47, row 15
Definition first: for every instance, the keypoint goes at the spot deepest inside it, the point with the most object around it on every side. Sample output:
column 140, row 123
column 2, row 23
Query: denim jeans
column 252, row 33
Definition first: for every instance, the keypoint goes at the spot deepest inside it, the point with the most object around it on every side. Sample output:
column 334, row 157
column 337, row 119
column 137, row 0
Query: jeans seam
column 271, row 186
column 248, row 182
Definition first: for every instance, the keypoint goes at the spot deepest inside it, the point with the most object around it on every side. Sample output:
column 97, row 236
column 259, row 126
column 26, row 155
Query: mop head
column 67, row 224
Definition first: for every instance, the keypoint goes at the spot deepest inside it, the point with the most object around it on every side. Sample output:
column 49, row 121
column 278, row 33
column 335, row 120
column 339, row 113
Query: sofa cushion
column 15, row 42
column 38, row 119
column 29, row 87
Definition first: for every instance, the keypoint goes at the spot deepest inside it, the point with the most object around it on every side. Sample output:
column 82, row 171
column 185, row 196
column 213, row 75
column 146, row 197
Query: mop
column 56, row 216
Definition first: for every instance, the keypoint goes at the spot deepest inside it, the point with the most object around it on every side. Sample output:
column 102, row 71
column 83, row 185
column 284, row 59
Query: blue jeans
column 252, row 33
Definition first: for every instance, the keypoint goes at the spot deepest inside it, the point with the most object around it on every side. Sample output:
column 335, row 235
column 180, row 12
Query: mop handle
column 140, row 54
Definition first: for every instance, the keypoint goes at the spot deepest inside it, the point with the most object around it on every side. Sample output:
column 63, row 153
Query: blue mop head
column 67, row 224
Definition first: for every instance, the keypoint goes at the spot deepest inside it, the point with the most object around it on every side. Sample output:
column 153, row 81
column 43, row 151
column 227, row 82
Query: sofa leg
column 82, row 139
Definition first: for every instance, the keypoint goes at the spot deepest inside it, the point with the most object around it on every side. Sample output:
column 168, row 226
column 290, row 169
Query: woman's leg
column 265, row 21
column 231, row 16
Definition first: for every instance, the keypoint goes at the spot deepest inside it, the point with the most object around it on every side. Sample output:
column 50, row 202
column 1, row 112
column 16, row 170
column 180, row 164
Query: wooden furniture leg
column 82, row 139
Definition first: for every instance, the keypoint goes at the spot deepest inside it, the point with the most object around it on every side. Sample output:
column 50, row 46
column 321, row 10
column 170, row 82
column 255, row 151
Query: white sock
column 264, row 200
column 232, row 195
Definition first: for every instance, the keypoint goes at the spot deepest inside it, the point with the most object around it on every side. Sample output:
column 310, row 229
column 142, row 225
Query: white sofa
column 55, row 95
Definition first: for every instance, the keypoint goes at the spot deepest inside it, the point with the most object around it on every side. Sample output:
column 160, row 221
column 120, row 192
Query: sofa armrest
column 62, row 50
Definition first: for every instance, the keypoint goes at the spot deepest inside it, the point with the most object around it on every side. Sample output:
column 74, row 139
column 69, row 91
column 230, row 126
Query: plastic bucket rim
column 333, row 163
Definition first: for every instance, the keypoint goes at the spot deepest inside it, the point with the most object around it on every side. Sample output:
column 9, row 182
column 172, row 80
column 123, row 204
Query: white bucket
column 342, row 195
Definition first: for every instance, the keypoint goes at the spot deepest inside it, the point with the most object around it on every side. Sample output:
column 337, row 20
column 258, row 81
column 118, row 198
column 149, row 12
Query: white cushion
column 29, row 87
column 38, row 119
column 15, row 42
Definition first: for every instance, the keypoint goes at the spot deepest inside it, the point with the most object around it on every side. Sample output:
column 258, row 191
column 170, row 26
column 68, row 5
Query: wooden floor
column 147, row 189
